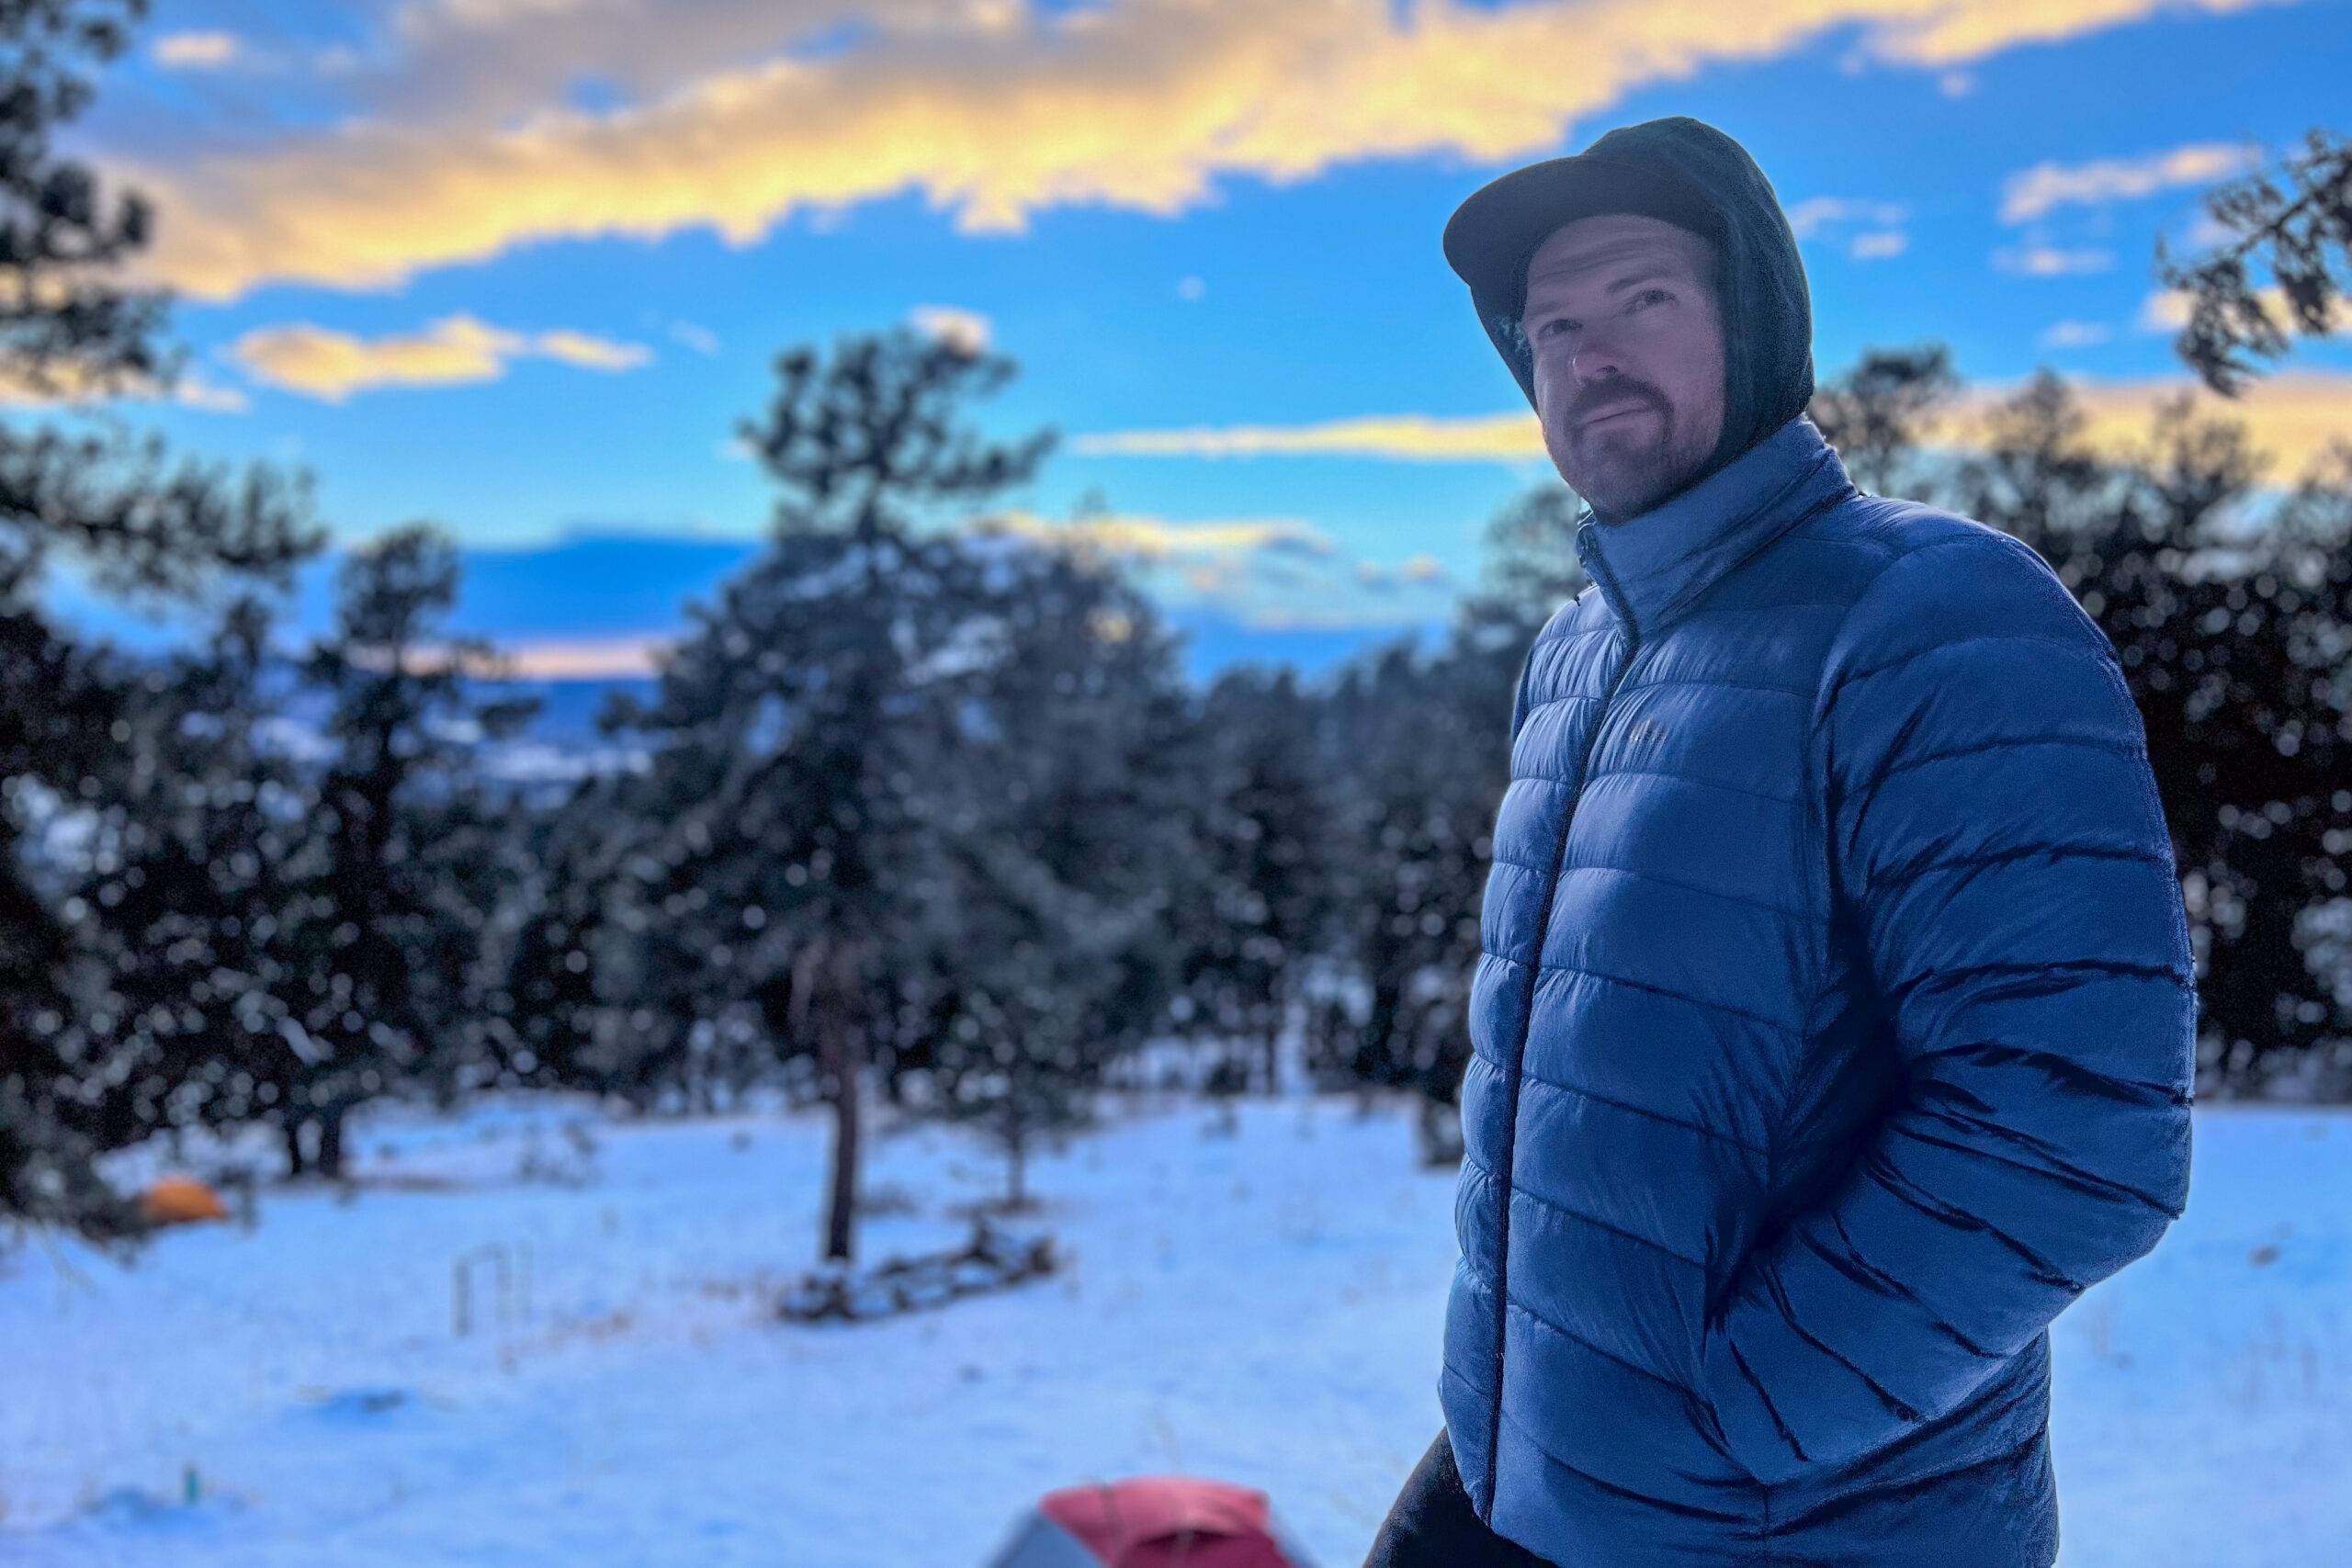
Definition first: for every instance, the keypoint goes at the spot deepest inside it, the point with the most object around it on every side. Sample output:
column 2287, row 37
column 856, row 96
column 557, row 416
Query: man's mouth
column 1610, row 414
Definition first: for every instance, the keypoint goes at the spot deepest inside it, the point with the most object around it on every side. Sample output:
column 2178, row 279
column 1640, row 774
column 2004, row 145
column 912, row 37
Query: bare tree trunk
column 824, row 987
column 330, row 1143
column 843, row 1043
column 294, row 1161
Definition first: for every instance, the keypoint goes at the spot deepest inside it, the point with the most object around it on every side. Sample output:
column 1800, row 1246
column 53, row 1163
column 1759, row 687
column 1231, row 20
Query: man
column 1834, row 1026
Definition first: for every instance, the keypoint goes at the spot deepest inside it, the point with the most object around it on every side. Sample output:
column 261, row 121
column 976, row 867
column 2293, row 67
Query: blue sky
column 519, row 266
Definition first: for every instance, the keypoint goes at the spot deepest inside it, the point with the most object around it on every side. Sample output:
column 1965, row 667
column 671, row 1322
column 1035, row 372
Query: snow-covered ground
column 1262, row 1306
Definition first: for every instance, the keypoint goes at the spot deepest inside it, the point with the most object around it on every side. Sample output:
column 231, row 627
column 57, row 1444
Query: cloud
column 1810, row 217
column 196, row 52
column 590, row 659
column 319, row 362
column 588, row 352
column 2293, row 416
column 2167, row 309
column 1817, row 217
column 193, row 391
column 2033, row 193
column 1260, row 572
column 2075, row 334
column 1422, row 571
column 1156, row 540
column 1411, row 437
column 701, row 339
column 2051, row 261
column 1245, row 567
column 960, row 329
column 69, row 386
column 464, row 145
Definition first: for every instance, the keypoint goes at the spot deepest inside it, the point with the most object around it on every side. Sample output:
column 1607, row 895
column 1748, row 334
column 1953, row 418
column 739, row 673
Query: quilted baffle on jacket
column 1833, row 1031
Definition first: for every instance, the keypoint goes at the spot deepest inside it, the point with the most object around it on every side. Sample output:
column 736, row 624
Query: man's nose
column 1596, row 359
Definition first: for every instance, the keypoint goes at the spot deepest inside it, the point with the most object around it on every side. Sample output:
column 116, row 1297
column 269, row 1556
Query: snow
column 1260, row 1305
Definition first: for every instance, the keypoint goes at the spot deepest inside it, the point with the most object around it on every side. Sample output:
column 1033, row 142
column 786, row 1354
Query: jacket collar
column 1653, row 569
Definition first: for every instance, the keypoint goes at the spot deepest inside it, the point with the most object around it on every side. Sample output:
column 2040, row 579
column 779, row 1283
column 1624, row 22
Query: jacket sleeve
column 1998, row 852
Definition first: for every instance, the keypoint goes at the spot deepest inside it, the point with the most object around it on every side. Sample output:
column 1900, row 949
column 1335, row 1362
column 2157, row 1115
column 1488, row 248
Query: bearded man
column 1834, row 1028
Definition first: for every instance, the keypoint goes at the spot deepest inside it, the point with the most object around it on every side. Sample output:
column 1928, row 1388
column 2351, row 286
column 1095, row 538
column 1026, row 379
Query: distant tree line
column 926, row 812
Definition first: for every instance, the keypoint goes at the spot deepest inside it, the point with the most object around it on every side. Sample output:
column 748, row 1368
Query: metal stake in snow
column 461, row 1282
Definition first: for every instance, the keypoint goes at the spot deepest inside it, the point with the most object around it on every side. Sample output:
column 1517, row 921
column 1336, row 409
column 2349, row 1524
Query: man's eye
column 1647, row 298
column 1555, row 327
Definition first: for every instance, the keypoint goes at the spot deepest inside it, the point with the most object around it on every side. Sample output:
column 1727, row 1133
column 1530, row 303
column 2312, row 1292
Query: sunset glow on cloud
column 993, row 113
column 2294, row 417
column 526, row 266
column 1503, row 437
column 320, row 363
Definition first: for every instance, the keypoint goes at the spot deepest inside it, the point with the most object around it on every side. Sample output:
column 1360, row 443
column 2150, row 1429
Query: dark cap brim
column 1491, row 235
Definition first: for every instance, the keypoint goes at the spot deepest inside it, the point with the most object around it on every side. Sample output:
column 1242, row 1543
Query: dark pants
column 1432, row 1524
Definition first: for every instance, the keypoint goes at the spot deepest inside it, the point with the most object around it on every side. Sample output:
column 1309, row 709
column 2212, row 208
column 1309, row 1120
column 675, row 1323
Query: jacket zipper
column 1535, row 972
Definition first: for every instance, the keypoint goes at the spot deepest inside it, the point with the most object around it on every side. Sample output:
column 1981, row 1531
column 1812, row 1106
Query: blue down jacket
column 1834, row 1031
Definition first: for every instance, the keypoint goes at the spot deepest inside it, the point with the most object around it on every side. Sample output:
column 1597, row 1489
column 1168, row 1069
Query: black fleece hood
column 1686, row 172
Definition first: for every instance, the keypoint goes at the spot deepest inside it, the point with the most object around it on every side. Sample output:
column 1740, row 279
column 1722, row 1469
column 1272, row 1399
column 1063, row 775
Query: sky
column 520, row 266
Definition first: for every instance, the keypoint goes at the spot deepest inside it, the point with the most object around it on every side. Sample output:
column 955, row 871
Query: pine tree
column 2234, row 644
column 798, row 732
column 1045, row 947
column 293, row 931
column 1258, row 910
column 2294, row 223
column 135, row 524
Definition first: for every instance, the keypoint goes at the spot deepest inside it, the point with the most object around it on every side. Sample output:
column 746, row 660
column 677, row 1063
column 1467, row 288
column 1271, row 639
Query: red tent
column 1153, row 1521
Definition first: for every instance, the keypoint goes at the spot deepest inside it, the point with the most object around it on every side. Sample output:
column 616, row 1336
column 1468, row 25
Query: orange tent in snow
column 179, row 1200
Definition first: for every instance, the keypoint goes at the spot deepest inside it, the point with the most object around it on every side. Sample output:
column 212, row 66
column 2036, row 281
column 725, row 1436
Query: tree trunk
column 1017, row 1189
column 824, row 982
column 294, row 1161
column 330, row 1143
column 840, row 1199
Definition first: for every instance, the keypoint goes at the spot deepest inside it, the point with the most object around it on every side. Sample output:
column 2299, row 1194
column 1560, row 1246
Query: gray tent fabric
column 1038, row 1542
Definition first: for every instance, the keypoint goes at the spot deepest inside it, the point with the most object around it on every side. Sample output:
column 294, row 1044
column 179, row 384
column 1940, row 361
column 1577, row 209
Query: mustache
column 1616, row 392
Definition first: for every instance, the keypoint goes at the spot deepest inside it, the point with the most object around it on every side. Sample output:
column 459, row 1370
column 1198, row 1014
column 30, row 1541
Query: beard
column 1621, row 468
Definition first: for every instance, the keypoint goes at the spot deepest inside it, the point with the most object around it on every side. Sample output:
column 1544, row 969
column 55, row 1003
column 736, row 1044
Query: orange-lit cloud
column 1156, row 540
column 319, row 362
column 2167, row 310
column 602, row 659
column 992, row 111
column 1412, row 437
column 2293, row 416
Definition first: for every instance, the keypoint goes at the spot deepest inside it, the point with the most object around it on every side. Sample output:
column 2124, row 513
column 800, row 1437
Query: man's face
column 1628, row 345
